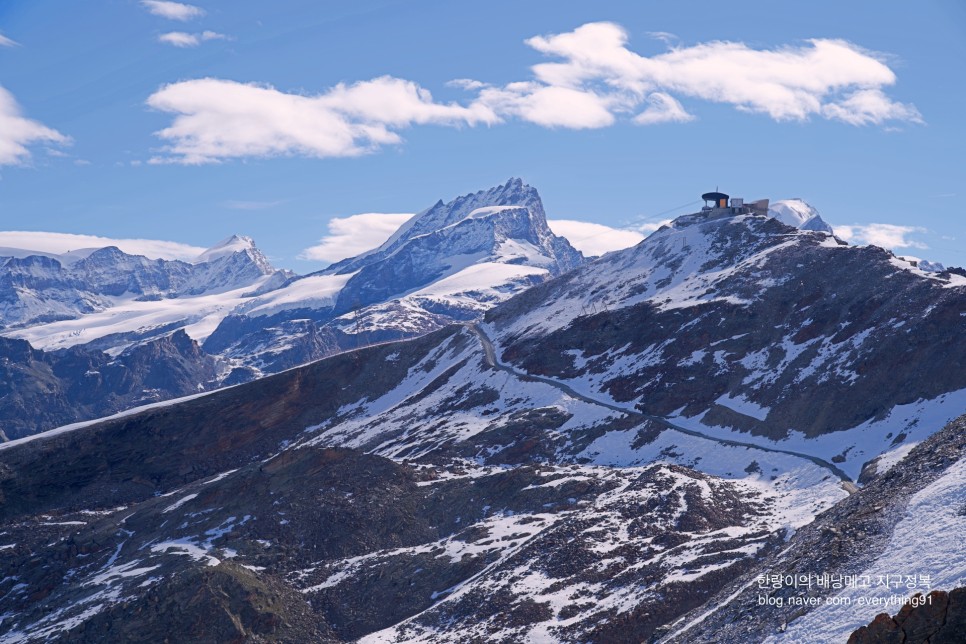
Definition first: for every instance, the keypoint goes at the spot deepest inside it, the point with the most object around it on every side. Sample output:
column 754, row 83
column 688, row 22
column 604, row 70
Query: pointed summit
column 229, row 246
column 513, row 193
column 231, row 263
column 502, row 204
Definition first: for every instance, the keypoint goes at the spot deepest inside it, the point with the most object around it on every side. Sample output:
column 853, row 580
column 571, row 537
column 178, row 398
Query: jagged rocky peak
column 799, row 214
column 513, row 193
column 514, row 209
column 232, row 263
column 234, row 245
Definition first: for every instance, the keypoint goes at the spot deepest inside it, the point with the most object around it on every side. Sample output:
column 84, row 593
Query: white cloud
column 870, row 106
column 884, row 235
column 218, row 119
column 179, row 39
column 17, row 132
column 466, row 83
column 353, row 235
column 6, row 42
column 596, row 80
column 664, row 36
column 173, row 10
column 830, row 78
column 549, row 106
column 594, row 239
column 57, row 243
column 662, row 108
column 184, row 39
column 592, row 52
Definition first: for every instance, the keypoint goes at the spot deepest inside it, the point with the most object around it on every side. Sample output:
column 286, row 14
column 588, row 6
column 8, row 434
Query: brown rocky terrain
column 940, row 620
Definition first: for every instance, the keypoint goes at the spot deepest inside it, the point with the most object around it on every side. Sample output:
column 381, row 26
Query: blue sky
column 190, row 122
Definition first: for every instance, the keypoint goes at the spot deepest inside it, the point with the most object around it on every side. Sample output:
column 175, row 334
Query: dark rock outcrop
column 40, row 390
column 939, row 618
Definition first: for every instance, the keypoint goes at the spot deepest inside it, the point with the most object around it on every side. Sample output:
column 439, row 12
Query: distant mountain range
column 448, row 263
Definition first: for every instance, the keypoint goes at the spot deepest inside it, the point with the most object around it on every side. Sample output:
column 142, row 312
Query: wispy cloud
column 594, row 239
column 184, row 39
column 889, row 236
column 350, row 236
column 594, row 80
column 57, row 243
column 664, row 36
column 251, row 205
column 7, row 42
column 662, row 108
column 18, row 132
column 649, row 227
column 173, row 10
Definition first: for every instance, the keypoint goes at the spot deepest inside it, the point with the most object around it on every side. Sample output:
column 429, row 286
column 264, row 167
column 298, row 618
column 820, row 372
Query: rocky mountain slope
column 939, row 619
column 897, row 537
column 745, row 327
column 627, row 452
column 40, row 390
column 39, row 288
column 95, row 331
column 508, row 510
column 113, row 527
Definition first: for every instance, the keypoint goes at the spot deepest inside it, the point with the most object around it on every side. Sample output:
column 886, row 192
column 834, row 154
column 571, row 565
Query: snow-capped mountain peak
column 513, row 193
column 452, row 261
column 799, row 214
column 228, row 246
column 243, row 253
column 494, row 203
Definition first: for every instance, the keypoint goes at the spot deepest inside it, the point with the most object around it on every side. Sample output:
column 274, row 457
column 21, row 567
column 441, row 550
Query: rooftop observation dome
column 717, row 199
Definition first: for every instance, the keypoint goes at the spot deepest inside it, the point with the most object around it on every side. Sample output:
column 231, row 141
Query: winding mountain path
column 489, row 352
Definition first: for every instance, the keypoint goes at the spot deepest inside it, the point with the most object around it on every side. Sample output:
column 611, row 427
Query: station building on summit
column 720, row 204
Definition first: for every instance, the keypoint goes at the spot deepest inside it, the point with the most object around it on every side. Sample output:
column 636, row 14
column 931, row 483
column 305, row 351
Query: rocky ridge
column 40, row 390
column 449, row 263
column 745, row 326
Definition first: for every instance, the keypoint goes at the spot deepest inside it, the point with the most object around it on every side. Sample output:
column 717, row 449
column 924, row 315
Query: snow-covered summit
column 452, row 261
column 499, row 204
column 229, row 246
column 799, row 214
column 59, row 300
column 234, row 245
